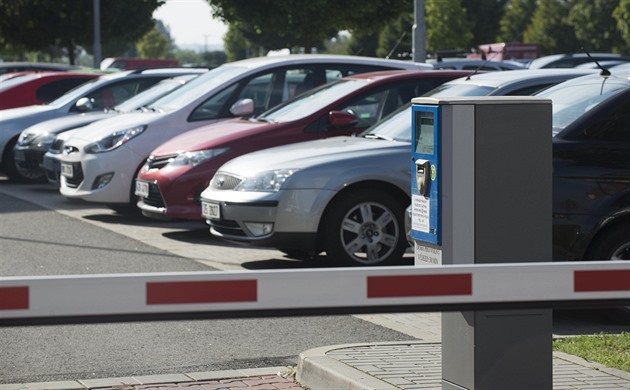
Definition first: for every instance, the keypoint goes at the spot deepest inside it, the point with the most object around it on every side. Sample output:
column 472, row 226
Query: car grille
column 229, row 228
column 75, row 180
column 155, row 197
column 223, row 181
column 159, row 162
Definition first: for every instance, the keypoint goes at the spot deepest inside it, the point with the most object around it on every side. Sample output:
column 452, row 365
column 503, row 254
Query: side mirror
column 84, row 104
column 243, row 107
column 340, row 119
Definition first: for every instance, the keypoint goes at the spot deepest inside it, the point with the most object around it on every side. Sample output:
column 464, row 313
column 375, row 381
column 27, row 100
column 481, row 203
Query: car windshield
column 198, row 87
column 149, row 96
column 311, row 102
column 397, row 126
column 575, row 97
column 77, row 92
column 459, row 90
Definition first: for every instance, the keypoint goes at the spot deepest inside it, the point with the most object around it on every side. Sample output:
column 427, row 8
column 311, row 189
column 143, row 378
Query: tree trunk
column 71, row 52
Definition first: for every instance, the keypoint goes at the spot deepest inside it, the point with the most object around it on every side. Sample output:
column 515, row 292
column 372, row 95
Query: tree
column 154, row 45
column 447, row 25
column 278, row 24
column 484, row 17
column 550, row 29
column 39, row 24
column 516, row 18
column 622, row 16
column 395, row 40
column 592, row 21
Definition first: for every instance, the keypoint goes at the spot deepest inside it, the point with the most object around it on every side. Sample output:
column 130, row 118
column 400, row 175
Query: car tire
column 612, row 244
column 365, row 228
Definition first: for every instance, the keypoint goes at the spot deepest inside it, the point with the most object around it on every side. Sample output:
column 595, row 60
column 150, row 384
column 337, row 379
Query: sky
column 191, row 24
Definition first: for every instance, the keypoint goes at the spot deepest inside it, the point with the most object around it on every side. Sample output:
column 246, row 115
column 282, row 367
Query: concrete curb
column 595, row 366
column 316, row 371
column 147, row 380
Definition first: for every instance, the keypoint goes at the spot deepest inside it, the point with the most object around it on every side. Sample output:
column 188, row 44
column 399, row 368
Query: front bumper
column 89, row 171
column 285, row 219
column 29, row 159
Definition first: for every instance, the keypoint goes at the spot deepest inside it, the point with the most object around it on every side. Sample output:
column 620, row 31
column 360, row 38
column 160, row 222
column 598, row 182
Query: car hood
column 212, row 135
column 309, row 154
column 104, row 127
column 59, row 125
column 17, row 119
column 20, row 112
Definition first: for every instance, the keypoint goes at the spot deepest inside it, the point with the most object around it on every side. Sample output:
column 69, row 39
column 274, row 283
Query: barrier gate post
column 481, row 193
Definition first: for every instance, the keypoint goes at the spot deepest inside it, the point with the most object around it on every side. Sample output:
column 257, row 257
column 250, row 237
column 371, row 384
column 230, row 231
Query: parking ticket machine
column 481, row 193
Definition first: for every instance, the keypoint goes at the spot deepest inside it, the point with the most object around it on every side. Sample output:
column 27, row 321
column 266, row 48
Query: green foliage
column 447, row 25
column 608, row 349
column 395, row 40
column 484, row 17
column 278, row 24
column 550, row 28
column 591, row 19
column 41, row 24
column 622, row 16
column 516, row 17
column 154, row 45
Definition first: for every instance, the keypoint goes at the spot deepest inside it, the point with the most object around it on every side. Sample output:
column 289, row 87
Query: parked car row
column 309, row 154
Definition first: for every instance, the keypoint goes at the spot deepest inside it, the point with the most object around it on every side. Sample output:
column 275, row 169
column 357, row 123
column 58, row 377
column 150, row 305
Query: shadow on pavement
column 586, row 322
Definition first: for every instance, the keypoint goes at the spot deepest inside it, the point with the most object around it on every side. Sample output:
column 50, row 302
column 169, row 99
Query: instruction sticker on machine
column 426, row 255
column 420, row 209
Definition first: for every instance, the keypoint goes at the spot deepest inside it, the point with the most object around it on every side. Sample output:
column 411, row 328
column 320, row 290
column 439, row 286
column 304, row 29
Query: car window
column 53, row 90
column 614, row 127
column 573, row 98
column 212, row 107
column 529, row 90
column 116, row 93
column 312, row 101
column 396, row 126
column 266, row 90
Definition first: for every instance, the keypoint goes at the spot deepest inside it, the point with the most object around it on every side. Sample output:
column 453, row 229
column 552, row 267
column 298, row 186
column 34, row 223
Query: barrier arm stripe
column 190, row 295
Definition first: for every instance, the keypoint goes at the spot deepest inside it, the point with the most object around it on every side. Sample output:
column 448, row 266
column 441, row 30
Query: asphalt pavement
column 409, row 364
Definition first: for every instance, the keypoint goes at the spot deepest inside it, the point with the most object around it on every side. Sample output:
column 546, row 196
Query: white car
column 100, row 162
column 96, row 95
column 35, row 141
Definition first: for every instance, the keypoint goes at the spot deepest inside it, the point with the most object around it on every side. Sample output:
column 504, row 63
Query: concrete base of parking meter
column 495, row 207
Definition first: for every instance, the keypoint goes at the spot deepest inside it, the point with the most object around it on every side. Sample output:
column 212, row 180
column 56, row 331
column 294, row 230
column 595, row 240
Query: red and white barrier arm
column 190, row 295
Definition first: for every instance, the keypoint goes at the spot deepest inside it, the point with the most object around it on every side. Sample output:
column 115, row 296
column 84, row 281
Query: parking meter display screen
column 424, row 132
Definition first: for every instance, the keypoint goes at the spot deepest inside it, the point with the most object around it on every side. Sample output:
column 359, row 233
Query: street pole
column 97, row 33
column 419, row 33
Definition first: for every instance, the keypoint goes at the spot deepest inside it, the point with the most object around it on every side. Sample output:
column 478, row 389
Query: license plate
column 18, row 155
column 67, row 170
column 142, row 189
column 210, row 210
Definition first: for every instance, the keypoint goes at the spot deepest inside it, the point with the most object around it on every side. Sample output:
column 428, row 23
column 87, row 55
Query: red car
column 39, row 87
column 169, row 184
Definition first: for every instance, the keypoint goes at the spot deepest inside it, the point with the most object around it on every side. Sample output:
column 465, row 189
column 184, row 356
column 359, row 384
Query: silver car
column 345, row 196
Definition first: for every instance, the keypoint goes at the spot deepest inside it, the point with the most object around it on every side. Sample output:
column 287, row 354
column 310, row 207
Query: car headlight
column 196, row 157
column 36, row 139
column 269, row 181
column 114, row 140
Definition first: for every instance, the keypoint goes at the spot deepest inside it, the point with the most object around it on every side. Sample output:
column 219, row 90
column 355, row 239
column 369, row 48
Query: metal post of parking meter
column 481, row 193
